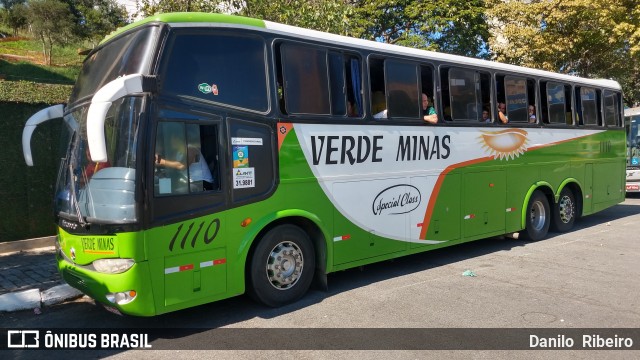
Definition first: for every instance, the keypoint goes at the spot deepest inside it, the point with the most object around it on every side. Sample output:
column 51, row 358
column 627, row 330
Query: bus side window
column 516, row 99
column 465, row 91
column 403, row 97
column 305, row 79
column 555, row 103
column 252, row 160
column 377, row 87
column 587, row 106
column 202, row 146
column 611, row 108
column 345, row 85
column 185, row 158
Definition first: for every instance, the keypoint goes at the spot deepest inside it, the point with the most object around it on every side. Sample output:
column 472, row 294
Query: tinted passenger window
column 252, row 150
column 306, row 85
column 402, row 89
column 589, row 106
column 464, row 97
column 611, row 109
column 516, row 97
column 556, row 103
column 218, row 67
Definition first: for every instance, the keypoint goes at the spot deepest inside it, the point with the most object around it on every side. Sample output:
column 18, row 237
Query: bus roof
column 188, row 17
column 197, row 19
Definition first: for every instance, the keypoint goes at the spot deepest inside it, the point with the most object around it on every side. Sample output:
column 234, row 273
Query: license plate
column 633, row 187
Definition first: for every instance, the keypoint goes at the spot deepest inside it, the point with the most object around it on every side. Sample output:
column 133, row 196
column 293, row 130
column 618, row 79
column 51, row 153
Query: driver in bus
column 200, row 177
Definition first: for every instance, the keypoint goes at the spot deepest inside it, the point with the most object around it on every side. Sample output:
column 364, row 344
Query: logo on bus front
column 396, row 200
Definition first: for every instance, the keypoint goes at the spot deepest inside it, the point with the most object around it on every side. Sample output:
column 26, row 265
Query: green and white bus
column 632, row 125
column 211, row 155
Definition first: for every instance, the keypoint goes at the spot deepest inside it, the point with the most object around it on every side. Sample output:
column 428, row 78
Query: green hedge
column 27, row 192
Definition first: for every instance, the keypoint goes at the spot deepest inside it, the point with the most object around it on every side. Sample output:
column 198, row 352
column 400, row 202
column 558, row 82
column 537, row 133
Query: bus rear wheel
column 538, row 217
column 282, row 266
column 564, row 212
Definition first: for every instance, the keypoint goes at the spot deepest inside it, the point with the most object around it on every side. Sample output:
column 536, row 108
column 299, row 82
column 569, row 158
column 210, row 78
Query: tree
column 94, row 19
column 151, row 7
column 16, row 17
column 452, row 26
column 324, row 15
column 52, row 23
column 591, row 38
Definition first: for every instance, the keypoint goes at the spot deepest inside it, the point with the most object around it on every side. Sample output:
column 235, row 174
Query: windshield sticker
column 246, row 141
column 164, row 185
column 244, row 178
column 204, row 88
column 240, row 156
column 208, row 89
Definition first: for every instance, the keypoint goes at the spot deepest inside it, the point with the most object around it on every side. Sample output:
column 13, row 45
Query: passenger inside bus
column 428, row 111
column 502, row 113
column 486, row 118
column 532, row 114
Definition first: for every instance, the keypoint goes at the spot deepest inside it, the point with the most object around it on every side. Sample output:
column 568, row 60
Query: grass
column 22, row 59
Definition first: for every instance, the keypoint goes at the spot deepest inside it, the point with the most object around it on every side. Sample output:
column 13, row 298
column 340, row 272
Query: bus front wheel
column 282, row 266
column 538, row 217
column 564, row 212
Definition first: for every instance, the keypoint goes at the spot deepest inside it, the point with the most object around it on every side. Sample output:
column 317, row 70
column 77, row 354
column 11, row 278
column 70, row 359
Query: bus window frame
column 580, row 117
column 167, row 48
column 417, row 89
column 177, row 207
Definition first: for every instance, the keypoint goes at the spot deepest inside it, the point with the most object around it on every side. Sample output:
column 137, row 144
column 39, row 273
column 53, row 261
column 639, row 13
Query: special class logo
column 396, row 200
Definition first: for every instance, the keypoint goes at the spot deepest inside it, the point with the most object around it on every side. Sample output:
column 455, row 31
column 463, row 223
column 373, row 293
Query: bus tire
column 282, row 266
column 538, row 217
column 564, row 212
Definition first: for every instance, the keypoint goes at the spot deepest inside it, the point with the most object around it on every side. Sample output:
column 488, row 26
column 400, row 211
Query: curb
column 29, row 244
column 31, row 299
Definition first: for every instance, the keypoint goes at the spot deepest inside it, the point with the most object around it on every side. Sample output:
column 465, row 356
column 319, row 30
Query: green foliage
column 52, row 23
column 591, row 38
column 94, row 19
column 16, row 17
column 27, row 192
column 151, row 7
column 30, row 50
column 453, row 26
column 330, row 15
column 33, row 93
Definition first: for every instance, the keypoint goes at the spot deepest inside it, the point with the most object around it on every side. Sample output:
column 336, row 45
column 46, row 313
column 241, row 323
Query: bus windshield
column 129, row 54
column 103, row 192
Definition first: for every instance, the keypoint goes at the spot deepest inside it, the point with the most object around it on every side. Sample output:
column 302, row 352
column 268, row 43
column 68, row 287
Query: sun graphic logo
column 505, row 144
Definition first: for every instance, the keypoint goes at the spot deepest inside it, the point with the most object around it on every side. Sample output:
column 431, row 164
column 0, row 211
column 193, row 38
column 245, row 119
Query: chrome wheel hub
column 565, row 206
column 284, row 265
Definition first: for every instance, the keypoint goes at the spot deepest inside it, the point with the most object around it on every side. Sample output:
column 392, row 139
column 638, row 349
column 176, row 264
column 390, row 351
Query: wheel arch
column 576, row 188
column 546, row 189
column 305, row 221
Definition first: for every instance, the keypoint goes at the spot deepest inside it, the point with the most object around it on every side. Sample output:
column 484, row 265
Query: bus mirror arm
column 101, row 102
column 52, row 112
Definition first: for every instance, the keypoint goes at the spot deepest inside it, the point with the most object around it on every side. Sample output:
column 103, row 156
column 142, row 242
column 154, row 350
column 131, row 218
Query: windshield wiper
column 73, row 196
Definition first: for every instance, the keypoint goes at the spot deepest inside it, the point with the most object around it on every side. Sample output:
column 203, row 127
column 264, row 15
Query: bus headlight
column 113, row 266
